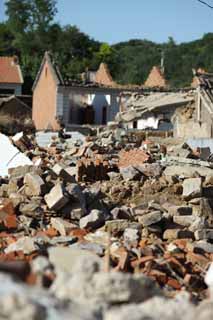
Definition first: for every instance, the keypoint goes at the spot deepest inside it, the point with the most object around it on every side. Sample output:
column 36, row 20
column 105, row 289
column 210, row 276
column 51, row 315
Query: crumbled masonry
column 110, row 227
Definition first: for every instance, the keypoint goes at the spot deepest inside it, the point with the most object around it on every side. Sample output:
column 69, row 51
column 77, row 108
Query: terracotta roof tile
column 10, row 71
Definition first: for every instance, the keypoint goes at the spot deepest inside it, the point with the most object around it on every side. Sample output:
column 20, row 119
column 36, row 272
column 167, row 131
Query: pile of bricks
column 133, row 157
column 89, row 170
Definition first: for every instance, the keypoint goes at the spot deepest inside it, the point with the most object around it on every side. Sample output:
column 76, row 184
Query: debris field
column 112, row 227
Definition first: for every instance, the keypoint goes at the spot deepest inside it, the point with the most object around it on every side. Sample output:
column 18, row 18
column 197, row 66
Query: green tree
column 6, row 40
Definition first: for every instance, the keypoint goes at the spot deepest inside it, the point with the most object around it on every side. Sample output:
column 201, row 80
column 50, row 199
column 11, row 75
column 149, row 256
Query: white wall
column 68, row 99
column 100, row 100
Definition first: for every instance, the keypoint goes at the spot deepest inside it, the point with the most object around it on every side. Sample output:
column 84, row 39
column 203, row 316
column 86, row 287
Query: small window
column 46, row 72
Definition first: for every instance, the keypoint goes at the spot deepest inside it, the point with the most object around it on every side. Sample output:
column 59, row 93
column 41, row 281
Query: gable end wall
column 45, row 101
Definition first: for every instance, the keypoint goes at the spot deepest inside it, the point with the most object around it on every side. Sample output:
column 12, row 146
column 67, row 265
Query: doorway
column 104, row 115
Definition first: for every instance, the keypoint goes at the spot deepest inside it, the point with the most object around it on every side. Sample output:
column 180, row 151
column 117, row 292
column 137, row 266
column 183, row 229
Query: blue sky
column 120, row 20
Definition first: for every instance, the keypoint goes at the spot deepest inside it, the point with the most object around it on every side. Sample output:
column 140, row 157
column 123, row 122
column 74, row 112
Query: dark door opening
column 135, row 124
column 104, row 115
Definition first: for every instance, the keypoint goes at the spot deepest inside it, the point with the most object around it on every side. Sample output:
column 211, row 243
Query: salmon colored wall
column 44, row 101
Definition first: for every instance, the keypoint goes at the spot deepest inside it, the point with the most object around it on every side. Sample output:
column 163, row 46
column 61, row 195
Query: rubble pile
column 107, row 229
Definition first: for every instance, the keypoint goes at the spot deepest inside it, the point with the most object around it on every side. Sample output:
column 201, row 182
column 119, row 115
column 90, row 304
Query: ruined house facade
column 152, row 111
column 11, row 79
column 197, row 122
column 56, row 101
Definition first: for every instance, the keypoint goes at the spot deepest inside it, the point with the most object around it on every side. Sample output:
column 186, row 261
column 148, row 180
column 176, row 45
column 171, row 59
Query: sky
column 115, row 21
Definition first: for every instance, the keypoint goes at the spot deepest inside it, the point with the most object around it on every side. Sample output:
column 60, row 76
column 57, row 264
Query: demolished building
column 152, row 110
column 56, row 100
column 197, row 122
column 15, row 107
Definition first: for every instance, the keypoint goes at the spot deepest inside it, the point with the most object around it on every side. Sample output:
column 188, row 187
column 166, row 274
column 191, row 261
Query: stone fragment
column 16, row 305
column 16, row 199
column 115, row 226
column 20, row 171
column 64, row 240
column 150, row 169
column 76, row 195
column 179, row 210
column 62, row 226
column 121, row 213
column 56, row 169
column 197, row 259
column 34, row 185
column 185, row 221
column 201, row 245
column 31, row 209
column 94, row 220
column 131, row 236
column 101, row 287
column 130, row 173
column 172, row 234
column 203, row 311
column 40, row 264
column 73, row 260
column 69, row 174
column 199, row 223
column 153, row 309
column 56, row 199
column 204, row 234
column 150, row 218
column 92, row 247
column 186, row 171
column 25, row 244
column 192, row 188
column 66, row 173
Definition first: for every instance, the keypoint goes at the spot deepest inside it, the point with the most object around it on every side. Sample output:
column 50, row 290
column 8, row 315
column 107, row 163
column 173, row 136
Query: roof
column 5, row 100
column 10, row 71
column 138, row 105
column 53, row 67
column 156, row 79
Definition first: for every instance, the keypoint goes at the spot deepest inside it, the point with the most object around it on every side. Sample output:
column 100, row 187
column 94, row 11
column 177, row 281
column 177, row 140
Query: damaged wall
column 193, row 121
column 80, row 102
column 157, row 121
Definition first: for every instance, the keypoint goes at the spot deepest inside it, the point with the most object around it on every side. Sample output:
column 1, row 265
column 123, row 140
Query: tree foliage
column 30, row 30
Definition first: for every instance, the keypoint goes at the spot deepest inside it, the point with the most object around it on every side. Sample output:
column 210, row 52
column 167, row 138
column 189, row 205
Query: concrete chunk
column 34, row 185
column 185, row 221
column 192, row 188
column 151, row 218
column 179, row 211
column 173, row 234
column 93, row 220
column 204, row 234
column 130, row 173
column 56, row 198
column 120, row 225
column 62, row 226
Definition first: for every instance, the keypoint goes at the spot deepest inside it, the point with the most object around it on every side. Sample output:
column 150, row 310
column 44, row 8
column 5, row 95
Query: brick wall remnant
column 156, row 79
